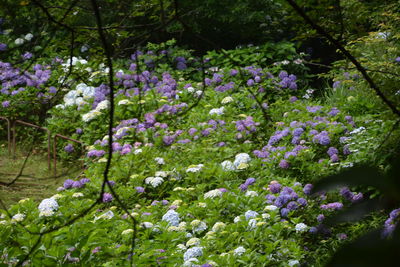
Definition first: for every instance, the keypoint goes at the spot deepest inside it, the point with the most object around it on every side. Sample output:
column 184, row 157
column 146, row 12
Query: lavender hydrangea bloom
column 391, row 223
column 320, row 217
column 274, row 188
column 284, row 164
column 68, row 183
column 302, row 201
column 250, row 181
column 139, row 189
column 285, row 212
column 357, row 197
column 69, row 148
column 307, row 189
column 298, row 132
column 77, row 184
column 332, row 206
column 334, row 158
column 332, row 150
column 168, row 140
column 5, row 104
column 107, row 197
column 270, row 198
column 346, row 193
column 84, row 181
column 292, row 205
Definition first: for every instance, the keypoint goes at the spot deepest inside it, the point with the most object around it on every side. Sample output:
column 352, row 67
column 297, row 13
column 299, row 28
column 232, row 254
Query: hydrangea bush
column 217, row 170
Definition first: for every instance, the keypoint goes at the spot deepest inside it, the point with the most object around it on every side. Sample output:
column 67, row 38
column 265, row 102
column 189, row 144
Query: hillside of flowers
column 215, row 164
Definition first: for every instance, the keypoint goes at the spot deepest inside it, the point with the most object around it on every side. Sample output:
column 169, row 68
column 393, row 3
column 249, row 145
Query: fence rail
column 12, row 144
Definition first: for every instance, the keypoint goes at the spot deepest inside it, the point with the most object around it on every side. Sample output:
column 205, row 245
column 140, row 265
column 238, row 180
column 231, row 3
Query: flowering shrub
column 216, row 171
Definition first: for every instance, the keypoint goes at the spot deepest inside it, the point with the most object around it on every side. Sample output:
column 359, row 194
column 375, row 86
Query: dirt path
column 36, row 181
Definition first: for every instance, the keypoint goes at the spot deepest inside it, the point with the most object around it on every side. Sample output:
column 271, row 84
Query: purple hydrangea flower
column 168, row 140
column 139, row 189
column 284, row 164
column 332, row 206
column 274, row 188
column 334, row 158
column 332, row 150
column 292, row 205
column 5, row 104
column 69, row 148
column 84, row 181
column 284, row 212
column 107, row 197
column 302, row 201
column 250, row 181
column 76, row 184
column 68, row 183
column 307, row 189
column 320, row 217
column 270, row 198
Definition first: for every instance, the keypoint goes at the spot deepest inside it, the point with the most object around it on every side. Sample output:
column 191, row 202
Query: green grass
column 36, row 181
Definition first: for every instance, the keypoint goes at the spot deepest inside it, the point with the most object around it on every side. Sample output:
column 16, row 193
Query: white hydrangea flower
column 301, row 227
column 121, row 130
column 80, row 102
column 90, row 115
column 172, row 217
column 147, row 225
column 252, row 223
column 181, row 247
column 19, row 217
column 239, row 251
column 159, row 160
column 19, row 41
column 60, row 106
column 241, row 158
column 28, row 37
column 156, row 181
column 199, row 92
column 217, row 111
column 124, row 102
column 270, row 208
column 103, row 105
column 127, row 232
column 163, row 174
column 193, row 242
column 190, row 262
column 107, row 215
column 213, row 193
column 79, row 194
column 237, row 219
column 251, row 194
column 250, row 214
column 46, row 213
column 198, row 226
column 138, row 151
column 195, row 168
column 227, row 100
column 47, row 205
column 266, row 216
column 190, row 89
column 293, row 263
column 218, row 226
column 193, row 252
column 227, row 165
